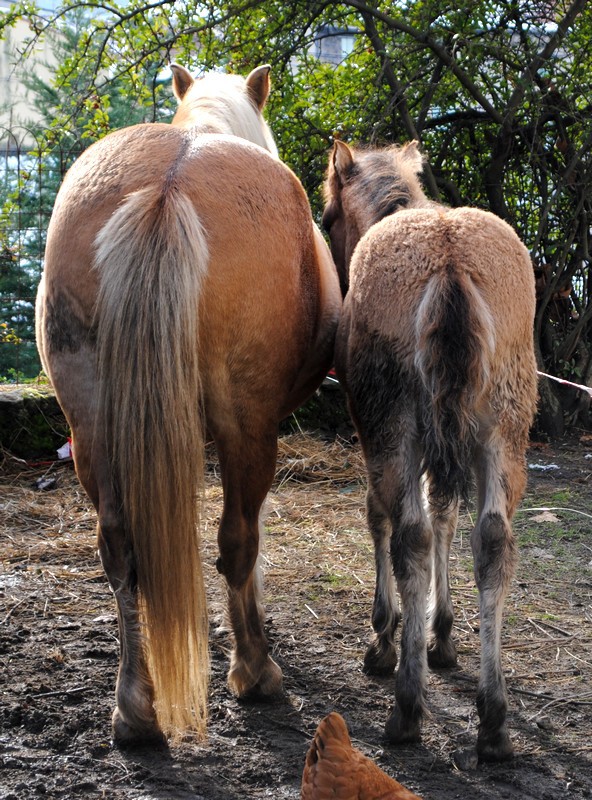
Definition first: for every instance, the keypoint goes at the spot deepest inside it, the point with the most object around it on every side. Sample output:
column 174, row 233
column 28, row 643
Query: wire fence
column 30, row 175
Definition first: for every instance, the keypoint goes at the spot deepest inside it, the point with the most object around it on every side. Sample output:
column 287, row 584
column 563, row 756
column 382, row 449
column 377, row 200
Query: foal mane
column 379, row 181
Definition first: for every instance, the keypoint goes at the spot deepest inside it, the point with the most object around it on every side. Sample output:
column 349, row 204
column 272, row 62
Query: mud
column 59, row 646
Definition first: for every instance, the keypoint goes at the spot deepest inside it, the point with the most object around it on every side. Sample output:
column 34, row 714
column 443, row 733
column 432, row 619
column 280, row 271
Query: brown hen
column 335, row 769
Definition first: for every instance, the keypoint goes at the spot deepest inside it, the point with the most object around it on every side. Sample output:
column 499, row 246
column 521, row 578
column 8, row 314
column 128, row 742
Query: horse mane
column 220, row 103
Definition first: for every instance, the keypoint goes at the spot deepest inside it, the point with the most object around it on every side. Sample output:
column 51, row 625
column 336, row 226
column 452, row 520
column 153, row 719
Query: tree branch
column 529, row 73
column 438, row 49
column 399, row 99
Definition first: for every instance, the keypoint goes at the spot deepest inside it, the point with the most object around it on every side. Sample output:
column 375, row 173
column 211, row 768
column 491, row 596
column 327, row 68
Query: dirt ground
column 59, row 649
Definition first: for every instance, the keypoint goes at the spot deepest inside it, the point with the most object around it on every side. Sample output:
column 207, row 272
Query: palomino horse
column 435, row 348
column 185, row 287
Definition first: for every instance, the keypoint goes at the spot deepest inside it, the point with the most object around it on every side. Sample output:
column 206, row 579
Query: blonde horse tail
column 152, row 257
column 455, row 347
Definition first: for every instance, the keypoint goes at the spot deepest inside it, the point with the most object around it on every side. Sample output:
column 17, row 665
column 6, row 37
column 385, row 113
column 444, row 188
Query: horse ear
column 411, row 153
column 342, row 160
column 258, row 85
column 183, row 80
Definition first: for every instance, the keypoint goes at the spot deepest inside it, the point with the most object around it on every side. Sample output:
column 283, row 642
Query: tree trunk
column 549, row 419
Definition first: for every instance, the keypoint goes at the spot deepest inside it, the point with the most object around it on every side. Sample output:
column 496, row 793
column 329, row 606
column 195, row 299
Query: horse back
column 269, row 301
column 271, row 298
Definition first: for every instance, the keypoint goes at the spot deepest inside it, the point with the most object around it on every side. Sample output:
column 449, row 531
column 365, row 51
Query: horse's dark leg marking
column 383, row 402
column 381, row 656
column 411, row 554
column 494, row 554
column 441, row 649
column 394, row 476
column 375, row 384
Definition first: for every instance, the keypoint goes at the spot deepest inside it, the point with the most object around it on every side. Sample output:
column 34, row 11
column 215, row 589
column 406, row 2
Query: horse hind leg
column 248, row 467
column 134, row 718
column 441, row 649
column 500, row 476
column 70, row 359
column 381, row 655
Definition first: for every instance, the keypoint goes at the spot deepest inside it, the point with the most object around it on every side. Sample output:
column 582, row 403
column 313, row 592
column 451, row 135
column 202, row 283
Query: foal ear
column 258, row 85
column 411, row 153
column 183, row 80
column 341, row 159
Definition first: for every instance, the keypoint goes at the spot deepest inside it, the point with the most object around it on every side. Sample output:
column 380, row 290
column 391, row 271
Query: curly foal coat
column 435, row 348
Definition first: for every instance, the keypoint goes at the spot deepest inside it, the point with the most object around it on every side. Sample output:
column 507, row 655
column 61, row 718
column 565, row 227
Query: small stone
column 544, row 723
column 465, row 760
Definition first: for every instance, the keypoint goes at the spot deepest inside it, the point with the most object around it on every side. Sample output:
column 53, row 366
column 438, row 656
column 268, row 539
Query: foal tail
column 152, row 256
column 455, row 345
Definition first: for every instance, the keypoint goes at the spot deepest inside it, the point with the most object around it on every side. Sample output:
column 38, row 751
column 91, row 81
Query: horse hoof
column 271, row 681
column 495, row 748
column 126, row 735
column 442, row 655
column 380, row 660
column 401, row 731
column 268, row 685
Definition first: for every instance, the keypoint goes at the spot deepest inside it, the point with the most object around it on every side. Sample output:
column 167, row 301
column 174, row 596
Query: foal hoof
column 401, row 731
column 125, row 735
column 442, row 655
column 379, row 659
column 495, row 748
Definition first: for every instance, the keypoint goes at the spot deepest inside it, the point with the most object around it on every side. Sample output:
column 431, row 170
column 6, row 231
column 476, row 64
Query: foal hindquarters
column 412, row 538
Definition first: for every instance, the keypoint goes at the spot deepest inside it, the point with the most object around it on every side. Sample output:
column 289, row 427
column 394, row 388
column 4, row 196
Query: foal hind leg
column 410, row 549
column 247, row 467
column 381, row 656
column 501, row 481
column 441, row 649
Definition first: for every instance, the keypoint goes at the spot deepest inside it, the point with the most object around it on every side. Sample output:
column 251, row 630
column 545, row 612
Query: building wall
column 17, row 109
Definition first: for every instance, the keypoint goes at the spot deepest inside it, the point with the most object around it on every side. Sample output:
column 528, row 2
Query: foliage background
column 498, row 93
